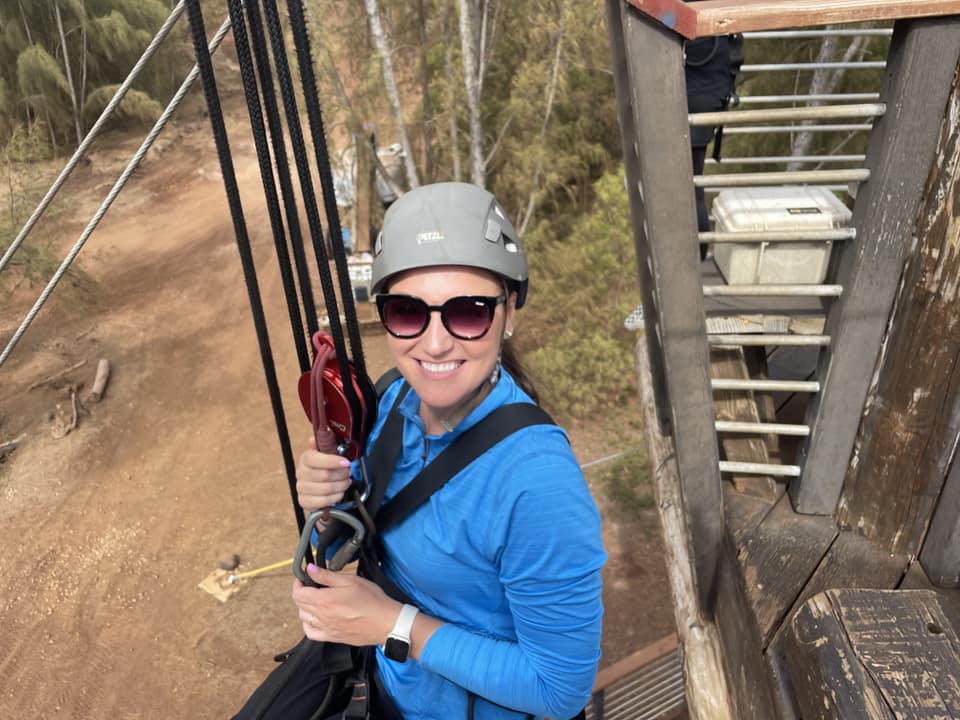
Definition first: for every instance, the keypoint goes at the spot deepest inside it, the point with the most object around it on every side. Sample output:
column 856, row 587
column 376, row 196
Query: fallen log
column 100, row 381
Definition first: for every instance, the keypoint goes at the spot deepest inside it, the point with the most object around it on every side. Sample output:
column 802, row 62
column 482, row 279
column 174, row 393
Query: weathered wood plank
column 875, row 654
column 829, row 682
column 747, row 676
column 669, row 266
column 742, row 512
column 908, row 436
column 853, row 562
column 940, row 556
column 777, row 558
column 705, row 682
column 720, row 17
column 921, row 65
column 728, row 362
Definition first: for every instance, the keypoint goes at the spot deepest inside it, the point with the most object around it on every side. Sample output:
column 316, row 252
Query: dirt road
column 107, row 532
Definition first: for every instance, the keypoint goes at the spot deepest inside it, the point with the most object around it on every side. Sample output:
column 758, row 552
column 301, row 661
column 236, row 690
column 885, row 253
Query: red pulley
column 323, row 395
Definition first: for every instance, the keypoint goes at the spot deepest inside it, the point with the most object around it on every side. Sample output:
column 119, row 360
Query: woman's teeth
column 439, row 367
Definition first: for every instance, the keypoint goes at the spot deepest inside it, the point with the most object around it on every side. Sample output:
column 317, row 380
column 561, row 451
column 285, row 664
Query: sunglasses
column 467, row 317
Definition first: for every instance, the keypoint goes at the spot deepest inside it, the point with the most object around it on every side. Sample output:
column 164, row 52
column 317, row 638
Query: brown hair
column 511, row 363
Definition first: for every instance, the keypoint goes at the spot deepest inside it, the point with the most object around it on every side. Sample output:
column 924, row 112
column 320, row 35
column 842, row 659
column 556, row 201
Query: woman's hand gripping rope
column 347, row 609
column 322, row 478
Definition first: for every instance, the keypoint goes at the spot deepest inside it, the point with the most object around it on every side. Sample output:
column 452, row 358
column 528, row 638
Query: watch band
column 397, row 646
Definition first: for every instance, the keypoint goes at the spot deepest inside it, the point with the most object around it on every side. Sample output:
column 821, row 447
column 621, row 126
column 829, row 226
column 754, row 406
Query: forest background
column 517, row 96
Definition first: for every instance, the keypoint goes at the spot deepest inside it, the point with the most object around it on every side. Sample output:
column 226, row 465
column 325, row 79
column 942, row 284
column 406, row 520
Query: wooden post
column 665, row 231
column 940, row 556
column 363, row 195
column 908, row 436
column 923, row 57
column 708, row 695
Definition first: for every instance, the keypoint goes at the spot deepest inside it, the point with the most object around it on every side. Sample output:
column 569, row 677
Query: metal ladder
column 866, row 267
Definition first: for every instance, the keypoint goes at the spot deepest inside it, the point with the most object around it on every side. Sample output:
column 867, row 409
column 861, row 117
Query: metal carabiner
column 341, row 557
column 362, row 487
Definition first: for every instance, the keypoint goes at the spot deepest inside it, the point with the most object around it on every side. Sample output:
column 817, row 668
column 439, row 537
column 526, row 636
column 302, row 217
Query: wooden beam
column 724, row 17
column 853, row 562
column 908, row 436
column 903, row 144
column 777, row 558
column 940, row 556
column 874, row 654
column 666, row 244
column 738, row 405
column 704, row 679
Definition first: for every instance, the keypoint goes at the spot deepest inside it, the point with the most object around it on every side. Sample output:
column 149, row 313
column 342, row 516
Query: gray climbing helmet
column 449, row 224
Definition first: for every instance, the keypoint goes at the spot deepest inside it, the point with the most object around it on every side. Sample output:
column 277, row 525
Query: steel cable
column 131, row 167
column 93, row 132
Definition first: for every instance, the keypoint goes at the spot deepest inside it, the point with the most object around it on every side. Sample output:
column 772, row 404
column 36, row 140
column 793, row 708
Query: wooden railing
column 722, row 17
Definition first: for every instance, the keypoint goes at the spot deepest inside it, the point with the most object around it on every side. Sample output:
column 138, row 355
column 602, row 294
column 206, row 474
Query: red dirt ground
column 107, row 532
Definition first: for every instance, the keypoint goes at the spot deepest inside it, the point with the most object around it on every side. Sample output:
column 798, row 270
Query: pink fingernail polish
column 311, row 568
column 344, row 463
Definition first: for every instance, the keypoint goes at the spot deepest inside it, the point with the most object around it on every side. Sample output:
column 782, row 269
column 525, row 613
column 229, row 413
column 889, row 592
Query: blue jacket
column 508, row 554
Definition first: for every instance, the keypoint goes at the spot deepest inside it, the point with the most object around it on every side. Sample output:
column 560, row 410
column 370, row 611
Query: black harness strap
column 501, row 423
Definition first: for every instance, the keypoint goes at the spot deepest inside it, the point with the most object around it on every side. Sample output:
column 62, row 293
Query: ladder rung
column 733, row 426
column 816, row 112
column 773, row 290
column 765, row 339
column 759, row 468
column 782, row 178
column 752, row 236
column 765, row 129
column 811, row 386
column 771, row 159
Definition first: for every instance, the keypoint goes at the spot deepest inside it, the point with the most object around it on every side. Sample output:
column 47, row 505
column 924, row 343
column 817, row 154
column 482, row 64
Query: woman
column 503, row 562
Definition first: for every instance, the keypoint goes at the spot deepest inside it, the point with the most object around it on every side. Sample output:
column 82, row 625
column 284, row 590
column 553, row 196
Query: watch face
column 396, row 649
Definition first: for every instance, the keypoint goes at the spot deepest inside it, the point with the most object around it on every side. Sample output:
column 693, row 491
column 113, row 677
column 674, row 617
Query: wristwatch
column 397, row 646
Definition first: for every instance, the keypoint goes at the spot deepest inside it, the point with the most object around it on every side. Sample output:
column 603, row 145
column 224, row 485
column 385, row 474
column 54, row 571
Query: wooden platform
column 774, row 563
column 723, row 17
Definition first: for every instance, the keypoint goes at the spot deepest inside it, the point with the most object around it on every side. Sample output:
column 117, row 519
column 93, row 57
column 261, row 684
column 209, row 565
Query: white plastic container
column 776, row 209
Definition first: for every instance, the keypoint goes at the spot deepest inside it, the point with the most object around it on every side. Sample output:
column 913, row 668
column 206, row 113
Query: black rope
column 252, row 94
column 298, row 147
column 261, row 54
column 311, row 98
column 212, row 97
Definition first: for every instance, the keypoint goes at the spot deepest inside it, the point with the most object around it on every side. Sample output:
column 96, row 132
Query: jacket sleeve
column 547, row 544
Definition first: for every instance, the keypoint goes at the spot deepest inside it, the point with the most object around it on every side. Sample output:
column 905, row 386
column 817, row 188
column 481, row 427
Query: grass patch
column 626, row 481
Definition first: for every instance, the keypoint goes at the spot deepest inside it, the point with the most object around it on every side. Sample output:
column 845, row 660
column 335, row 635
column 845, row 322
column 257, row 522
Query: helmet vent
column 511, row 247
column 493, row 231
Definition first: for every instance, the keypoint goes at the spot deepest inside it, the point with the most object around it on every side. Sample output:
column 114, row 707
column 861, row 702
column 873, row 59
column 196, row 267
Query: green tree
column 60, row 60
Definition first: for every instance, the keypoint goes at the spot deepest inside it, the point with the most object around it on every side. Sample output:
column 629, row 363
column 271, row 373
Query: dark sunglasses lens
column 404, row 317
column 467, row 317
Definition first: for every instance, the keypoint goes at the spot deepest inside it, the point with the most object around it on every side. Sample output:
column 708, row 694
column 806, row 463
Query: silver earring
column 495, row 375
column 507, row 334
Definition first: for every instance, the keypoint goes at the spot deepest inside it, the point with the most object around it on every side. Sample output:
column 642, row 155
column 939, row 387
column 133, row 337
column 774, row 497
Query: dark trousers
column 298, row 686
